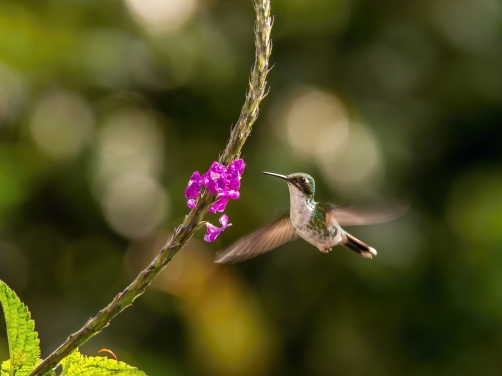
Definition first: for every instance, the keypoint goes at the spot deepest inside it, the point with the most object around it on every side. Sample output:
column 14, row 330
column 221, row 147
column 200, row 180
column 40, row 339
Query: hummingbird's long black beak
column 276, row 175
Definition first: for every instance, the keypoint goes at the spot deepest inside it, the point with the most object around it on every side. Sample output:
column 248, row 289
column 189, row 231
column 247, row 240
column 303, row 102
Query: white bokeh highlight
column 129, row 141
column 162, row 15
column 127, row 169
column 62, row 124
column 319, row 130
column 317, row 124
column 358, row 164
column 134, row 204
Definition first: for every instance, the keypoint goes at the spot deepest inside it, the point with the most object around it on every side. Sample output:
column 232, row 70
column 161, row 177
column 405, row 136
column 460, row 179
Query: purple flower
column 215, row 179
column 194, row 186
column 219, row 180
column 223, row 197
column 234, row 173
column 213, row 231
column 235, row 169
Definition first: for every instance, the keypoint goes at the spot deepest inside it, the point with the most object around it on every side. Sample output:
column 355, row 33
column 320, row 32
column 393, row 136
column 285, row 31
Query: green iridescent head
column 304, row 182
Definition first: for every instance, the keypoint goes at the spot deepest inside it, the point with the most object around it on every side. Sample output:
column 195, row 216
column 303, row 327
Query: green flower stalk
column 183, row 233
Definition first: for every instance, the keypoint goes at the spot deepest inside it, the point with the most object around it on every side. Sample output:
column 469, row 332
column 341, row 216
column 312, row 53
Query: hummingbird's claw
column 325, row 248
column 369, row 253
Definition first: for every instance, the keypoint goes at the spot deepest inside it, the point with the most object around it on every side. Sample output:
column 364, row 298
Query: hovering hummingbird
column 318, row 223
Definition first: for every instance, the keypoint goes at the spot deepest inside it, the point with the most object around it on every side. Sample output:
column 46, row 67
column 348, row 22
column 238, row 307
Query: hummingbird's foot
column 366, row 255
column 325, row 248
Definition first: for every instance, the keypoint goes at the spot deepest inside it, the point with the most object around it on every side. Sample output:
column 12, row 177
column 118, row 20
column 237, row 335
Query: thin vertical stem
column 182, row 234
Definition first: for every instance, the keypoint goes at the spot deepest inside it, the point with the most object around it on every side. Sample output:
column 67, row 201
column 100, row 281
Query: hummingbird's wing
column 263, row 240
column 356, row 216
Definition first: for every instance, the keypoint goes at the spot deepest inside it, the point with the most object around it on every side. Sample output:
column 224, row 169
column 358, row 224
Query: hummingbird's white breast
column 301, row 211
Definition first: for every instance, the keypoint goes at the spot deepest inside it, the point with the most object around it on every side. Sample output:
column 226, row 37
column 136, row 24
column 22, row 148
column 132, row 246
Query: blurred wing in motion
column 356, row 216
column 261, row 241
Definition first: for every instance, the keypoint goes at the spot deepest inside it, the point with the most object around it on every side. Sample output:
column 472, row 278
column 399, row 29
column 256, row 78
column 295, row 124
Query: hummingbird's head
column 301, row 181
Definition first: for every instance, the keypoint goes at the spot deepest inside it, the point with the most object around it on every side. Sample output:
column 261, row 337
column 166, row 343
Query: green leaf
column 5, row 368
column 24, row 347
column 78, row 364
column 26, row 370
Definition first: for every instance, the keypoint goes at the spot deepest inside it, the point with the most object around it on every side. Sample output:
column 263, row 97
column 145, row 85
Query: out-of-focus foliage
column 107, row 107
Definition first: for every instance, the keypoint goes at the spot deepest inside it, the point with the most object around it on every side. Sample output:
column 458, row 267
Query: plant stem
column 183, row 233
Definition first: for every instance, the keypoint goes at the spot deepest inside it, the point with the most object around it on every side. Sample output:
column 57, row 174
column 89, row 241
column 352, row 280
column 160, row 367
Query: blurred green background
column 107, row 107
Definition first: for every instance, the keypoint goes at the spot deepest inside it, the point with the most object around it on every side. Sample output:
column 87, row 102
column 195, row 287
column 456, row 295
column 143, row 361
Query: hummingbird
column 318, row 223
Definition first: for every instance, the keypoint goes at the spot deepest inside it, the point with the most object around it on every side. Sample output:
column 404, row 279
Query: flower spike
column 221, row 181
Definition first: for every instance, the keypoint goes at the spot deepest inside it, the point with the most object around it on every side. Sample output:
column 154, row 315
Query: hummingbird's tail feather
column 358, row 246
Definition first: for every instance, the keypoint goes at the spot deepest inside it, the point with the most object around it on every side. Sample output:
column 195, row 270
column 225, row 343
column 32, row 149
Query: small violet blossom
column 234, row 173
column 222, row 181
column 223, row 197
column 191, row 203
column 215, row 179
column 213, row 231
column 194, row 185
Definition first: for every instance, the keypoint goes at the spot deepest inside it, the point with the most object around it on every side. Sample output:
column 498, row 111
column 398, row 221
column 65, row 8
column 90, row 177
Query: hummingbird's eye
column 302, row 180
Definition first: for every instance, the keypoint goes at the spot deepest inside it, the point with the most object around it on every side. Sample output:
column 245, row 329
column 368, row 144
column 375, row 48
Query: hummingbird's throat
column 302, row 207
